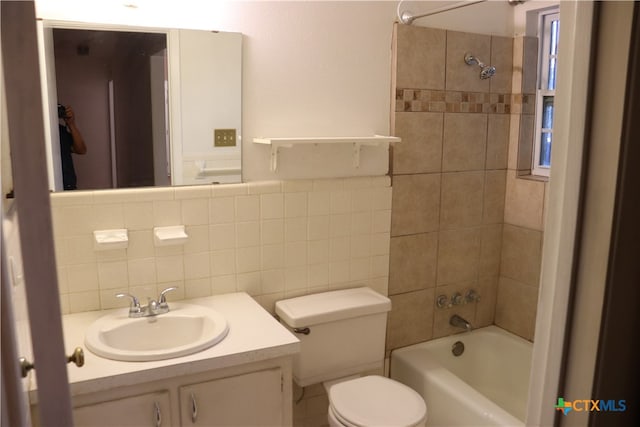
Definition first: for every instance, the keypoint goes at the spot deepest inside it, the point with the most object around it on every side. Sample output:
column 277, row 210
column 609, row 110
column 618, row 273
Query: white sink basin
column 186, row 329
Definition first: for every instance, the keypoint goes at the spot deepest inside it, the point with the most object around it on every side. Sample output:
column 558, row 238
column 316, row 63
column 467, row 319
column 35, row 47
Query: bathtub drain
column 457, row 348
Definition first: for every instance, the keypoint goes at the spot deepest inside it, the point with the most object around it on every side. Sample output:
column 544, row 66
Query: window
column 548, row 35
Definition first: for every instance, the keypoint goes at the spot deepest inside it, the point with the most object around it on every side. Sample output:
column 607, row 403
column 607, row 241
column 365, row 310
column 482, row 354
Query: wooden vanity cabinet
column 151, row 409
column 257, row 394
column 253, row 399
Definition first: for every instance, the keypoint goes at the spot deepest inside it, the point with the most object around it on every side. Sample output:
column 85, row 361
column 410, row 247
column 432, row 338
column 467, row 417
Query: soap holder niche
column 168, row 236
column 106, row 240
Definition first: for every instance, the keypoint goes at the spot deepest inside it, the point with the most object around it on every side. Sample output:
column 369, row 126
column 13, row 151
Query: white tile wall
column 270, row 239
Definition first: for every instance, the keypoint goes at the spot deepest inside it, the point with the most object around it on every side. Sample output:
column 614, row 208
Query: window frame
column 544, row 57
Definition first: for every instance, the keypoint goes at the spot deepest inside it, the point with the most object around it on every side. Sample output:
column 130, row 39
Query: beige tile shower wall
column 525, row 206
column 518, row 287
column 270, row 239
column 449, row 177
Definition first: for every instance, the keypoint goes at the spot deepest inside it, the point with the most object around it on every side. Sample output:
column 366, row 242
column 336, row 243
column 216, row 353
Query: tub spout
column 459, row 322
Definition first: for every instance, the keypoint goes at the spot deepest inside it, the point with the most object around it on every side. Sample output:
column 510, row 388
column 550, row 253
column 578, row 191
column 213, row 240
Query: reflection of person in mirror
column 71, row 141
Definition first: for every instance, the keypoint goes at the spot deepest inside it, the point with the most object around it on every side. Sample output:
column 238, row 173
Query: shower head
column 486, row 71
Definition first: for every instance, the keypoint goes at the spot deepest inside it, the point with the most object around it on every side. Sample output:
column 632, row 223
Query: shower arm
column 471, row 60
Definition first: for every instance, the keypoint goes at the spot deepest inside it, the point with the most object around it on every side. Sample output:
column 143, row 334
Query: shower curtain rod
column 407, row 17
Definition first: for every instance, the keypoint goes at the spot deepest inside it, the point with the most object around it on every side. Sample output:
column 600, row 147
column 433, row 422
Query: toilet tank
column 346, row 333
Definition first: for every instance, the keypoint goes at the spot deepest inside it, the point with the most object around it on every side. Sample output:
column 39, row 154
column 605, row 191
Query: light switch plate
column 224, row 138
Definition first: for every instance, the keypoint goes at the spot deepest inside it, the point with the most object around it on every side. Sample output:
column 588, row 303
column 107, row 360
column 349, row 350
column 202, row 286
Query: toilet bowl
column 375, row 401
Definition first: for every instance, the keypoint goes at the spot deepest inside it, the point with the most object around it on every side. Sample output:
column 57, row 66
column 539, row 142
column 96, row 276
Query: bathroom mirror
column 154, row 106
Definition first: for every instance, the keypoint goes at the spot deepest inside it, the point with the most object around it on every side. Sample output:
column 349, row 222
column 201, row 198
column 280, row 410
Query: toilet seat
column 376, row 401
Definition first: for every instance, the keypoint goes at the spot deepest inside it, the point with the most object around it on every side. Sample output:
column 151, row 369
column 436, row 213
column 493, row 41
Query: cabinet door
column 151, row 409
column 254, row 399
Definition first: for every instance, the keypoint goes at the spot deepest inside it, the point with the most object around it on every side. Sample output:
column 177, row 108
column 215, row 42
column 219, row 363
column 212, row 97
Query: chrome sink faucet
column 153, row 307
column 459, row 322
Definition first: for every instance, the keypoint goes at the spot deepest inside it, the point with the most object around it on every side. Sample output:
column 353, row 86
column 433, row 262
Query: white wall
column 309, row 68
column 315, row 69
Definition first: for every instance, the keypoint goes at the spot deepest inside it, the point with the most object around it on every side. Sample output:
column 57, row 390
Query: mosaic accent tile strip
column 439, row 101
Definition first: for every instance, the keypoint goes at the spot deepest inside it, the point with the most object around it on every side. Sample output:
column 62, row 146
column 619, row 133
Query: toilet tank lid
column 331, row 306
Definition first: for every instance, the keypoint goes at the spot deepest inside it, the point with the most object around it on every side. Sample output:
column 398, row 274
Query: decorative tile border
column 439, row 101
column 523, row 103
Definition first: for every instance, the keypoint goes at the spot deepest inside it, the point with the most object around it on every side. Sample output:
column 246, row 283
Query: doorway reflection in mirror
column 117, row 82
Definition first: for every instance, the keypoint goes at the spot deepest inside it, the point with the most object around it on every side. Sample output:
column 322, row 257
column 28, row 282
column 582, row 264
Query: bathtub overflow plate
column 457, row 348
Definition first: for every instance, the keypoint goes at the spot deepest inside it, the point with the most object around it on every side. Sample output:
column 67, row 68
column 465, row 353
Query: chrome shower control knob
column 442, row 301
column 456, row 299
column 471, row 296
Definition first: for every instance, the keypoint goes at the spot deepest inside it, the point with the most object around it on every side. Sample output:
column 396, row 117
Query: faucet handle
column 134, row 308
column 456, row 299
column 162, row 299
column 471, row 296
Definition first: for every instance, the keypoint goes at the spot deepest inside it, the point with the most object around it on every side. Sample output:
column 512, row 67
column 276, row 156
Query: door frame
column 31, row 186
column 562, row 233
column 617, row 369
column 15, row 399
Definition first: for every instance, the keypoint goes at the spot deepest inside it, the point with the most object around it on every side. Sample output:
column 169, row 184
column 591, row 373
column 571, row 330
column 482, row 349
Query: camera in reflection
column 62, row 111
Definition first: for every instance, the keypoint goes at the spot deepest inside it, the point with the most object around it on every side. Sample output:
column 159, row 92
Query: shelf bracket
column 275, row 151
column 356, row 155
column 356, row 151
column 274, row 157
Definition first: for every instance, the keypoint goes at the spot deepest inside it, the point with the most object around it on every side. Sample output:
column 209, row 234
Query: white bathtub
column 486, row 386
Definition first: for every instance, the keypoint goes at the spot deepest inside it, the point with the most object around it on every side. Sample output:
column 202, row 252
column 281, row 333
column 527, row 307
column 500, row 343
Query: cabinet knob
column 194, row 409
column 157, row 413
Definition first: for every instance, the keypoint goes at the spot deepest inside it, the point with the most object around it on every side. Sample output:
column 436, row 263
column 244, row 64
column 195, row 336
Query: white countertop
column 254, row 335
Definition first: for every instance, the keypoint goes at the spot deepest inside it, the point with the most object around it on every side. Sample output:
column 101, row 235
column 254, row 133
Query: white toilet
column 342, row 334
